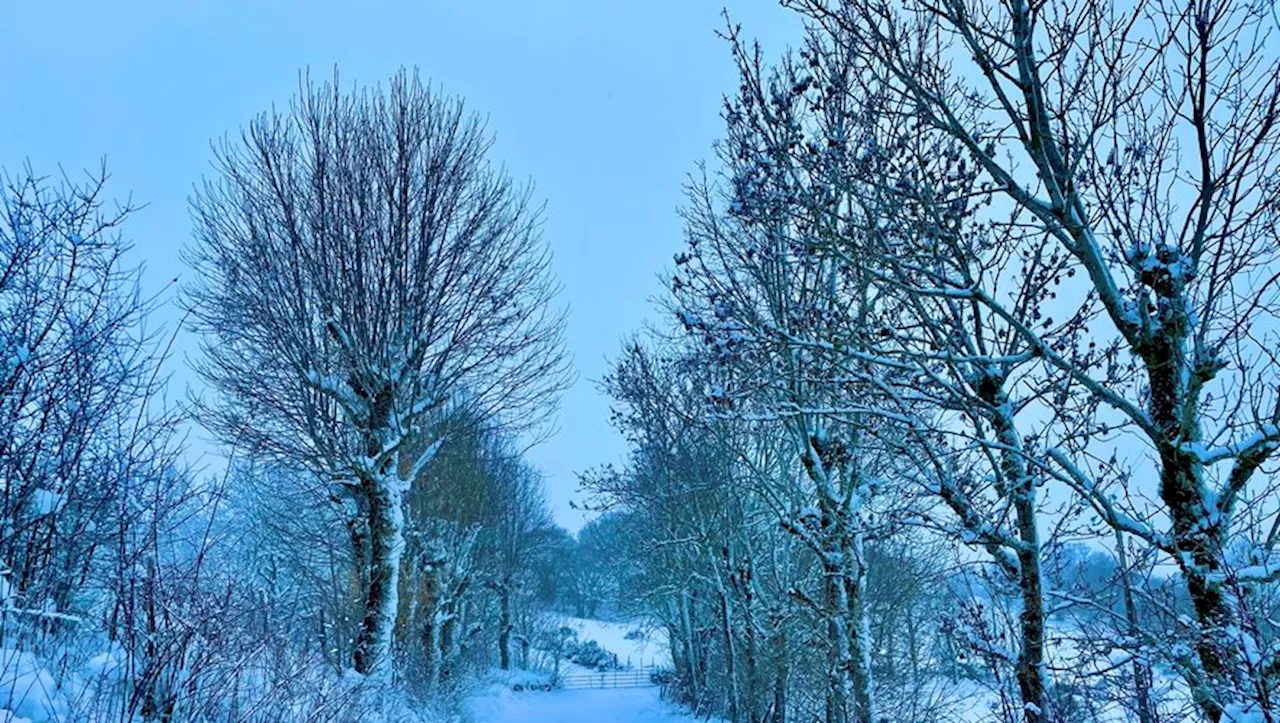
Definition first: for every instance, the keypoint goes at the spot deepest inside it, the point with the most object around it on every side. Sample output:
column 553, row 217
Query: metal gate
column 636, row 678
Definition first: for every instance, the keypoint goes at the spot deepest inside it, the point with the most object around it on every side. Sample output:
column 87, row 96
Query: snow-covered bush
column 589, row 654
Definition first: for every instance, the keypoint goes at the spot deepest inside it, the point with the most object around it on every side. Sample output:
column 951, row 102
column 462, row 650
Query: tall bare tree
column 360, row 270
column 1142, row 141
column 816, row 153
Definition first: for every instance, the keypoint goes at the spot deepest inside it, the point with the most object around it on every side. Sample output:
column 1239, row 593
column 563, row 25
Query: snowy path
column 640, row 705
column 631, row 644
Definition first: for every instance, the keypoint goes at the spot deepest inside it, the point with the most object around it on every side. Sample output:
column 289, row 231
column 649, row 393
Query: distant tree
column 360, row 271
column 702, row 540
column 594, row 566
column 551, row 568
column 520, row 530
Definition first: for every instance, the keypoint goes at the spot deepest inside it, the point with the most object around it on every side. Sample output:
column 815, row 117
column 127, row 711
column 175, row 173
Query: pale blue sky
column 606, row 105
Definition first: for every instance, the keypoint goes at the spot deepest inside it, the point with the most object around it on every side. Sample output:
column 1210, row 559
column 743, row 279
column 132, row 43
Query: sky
column 605, row 105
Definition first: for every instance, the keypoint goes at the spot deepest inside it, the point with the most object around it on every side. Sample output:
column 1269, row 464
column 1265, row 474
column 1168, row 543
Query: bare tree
column 1142, row 142
column 520, row 526
column 82, row 429
column 814, row 154
column 359, row 271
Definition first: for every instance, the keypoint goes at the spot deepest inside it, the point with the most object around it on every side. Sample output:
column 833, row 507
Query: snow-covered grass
column 80, row 679
column 635, row 705
column 69, row 683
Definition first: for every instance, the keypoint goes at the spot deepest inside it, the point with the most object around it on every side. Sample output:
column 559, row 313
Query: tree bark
column 1183, row 491
column 504, row 625
column 691, row 647
column 750, row 662
column 859, row 631
column 1031, row 677
column 1141, row 674
column 731, row 656
column 431, row 647
column 913, row 659
column 386, row 544
column 781, row 673
column 838, row 660
column 1022, row 488
column 1198, row 531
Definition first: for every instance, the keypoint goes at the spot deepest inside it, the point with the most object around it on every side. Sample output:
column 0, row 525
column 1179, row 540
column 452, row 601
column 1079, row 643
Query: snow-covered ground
column 635, row 705
column 633, row 643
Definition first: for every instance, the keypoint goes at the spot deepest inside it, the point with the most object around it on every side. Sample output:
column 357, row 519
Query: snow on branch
column 1103, row 504
column 1265, row 439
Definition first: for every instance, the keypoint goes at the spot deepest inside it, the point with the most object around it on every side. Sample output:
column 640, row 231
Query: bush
column 591, row 655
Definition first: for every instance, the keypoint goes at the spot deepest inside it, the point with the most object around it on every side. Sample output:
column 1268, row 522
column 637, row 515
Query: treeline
column 379, row 345
column 972, row 286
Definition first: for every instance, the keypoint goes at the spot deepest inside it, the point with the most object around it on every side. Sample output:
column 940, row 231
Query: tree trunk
column 358, row 530
column 448, row 634
column 839, row 494
column 323, row 639
column 731, row 656
column 386, row 543
column 1198, row 530
column 750, row 663
column 1031, row 673
column 1184, row 492
column 913, row 659
column 1141, row 674
column 431, row 648
column 781, row 661
column 691, row 648
column 859, row 634
column 1022, row 488
column 504, row 626
column 838, row 661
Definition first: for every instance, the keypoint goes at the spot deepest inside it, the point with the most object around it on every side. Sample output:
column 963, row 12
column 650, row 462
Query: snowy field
column 631, row 642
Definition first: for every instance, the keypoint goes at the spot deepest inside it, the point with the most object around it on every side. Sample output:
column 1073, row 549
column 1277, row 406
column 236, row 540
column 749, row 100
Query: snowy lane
column 632, row 643
column 575, row 706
